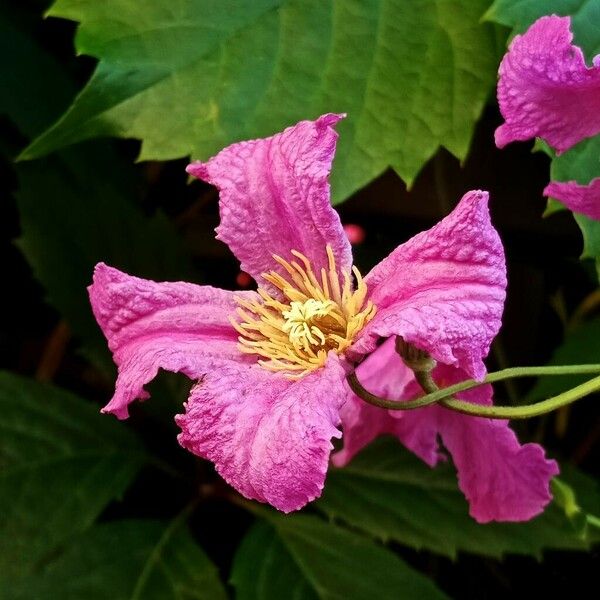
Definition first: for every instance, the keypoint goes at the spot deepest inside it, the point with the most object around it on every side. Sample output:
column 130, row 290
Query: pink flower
column 271, row 366
column 545, row 88
column 584, row 199
column 502, row 480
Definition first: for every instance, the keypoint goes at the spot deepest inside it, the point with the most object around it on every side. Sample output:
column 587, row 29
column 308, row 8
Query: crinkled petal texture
column 443, row 290
column 274, row 198
column 180, row 327
column 269, row 437
column 583, row 199
column 545, row 88
column 501, row 479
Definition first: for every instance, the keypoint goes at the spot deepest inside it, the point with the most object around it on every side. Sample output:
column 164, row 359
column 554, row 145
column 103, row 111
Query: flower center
column 312, row 315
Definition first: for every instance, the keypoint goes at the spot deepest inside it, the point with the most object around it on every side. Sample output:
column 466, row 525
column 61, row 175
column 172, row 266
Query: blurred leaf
column 520, row 14
column 582, row 162
column 581, row 346
column 389, row 493
column 193, row 77
column 61, row 464
column 77, row 209
column 128, row 560
column 304, row 558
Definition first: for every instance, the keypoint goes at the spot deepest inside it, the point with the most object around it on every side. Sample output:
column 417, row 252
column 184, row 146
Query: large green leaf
column 304, row 558
column 390, row 494
column 191, row 77
column 61, row 464
column 127, row 560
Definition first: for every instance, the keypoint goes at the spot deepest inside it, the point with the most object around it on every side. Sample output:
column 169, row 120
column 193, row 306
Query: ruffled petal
column 269, row 437
column 274, row 197
column 545, row 88
column 176, row 326
column 443, row 290
column 583, row 199
column 502, row 479
column 384, row 375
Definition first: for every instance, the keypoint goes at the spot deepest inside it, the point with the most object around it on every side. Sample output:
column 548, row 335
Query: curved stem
column 436, row 395
column 524, row 412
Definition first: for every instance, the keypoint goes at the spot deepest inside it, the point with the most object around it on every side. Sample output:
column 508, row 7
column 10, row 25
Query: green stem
column 524, row 412
column 437, row 395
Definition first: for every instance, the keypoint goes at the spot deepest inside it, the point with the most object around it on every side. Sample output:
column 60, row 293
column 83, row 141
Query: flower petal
column 502, row 479
column 383, row 374
column 176, row 326
column 545, row 88
column 443, row 290
column 583, row 199
column 274, row 197
column 269, row 437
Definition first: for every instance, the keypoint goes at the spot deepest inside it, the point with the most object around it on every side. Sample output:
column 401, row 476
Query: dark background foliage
column 64, row 212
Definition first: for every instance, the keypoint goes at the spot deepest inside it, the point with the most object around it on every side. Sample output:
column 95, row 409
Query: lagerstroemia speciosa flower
column 271, row 365
column 545, row 89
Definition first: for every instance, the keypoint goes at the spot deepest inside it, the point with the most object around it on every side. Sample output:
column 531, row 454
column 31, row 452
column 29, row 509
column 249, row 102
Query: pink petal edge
column 583, row 199
column 269, row 437
column 501, row 479
column 176, row 326
column 545, row 88
column 443, row 290
column 274, row 197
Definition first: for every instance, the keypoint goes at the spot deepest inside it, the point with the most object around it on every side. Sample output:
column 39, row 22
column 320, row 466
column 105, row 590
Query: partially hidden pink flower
column 271, row 365
column 502, row 479
column 545, row 88
column 583, row 199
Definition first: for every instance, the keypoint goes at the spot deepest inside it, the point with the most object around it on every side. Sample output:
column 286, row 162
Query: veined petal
column 583, row 199
column 383, row 374
column 443, row 290
column 545, row 88
column 274, row 198
column 175, row 326
column 502, row 479
column 269, row 437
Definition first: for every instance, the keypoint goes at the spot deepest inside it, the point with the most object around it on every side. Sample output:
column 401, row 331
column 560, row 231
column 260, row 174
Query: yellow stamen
column 310, row 317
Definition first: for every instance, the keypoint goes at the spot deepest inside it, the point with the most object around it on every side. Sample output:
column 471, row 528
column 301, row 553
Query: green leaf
column 302, row 557
column 61, row 464
column 520, row 14
column 128, row 560
column 78, row 209
column 264, row 569
column 580, row 346
column 578, row 495
column 189, row 80
column 389, row 493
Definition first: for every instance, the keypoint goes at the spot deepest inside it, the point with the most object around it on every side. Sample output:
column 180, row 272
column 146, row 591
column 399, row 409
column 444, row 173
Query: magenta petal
column 179, row 327
column 583, row 199
column 269, row 437
column 274, row 197
column 384, row 374
column 443, row 290
column 502, row 479
column 545, row 88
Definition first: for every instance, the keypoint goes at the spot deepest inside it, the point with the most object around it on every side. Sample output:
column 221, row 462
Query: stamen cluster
column 311, row 316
